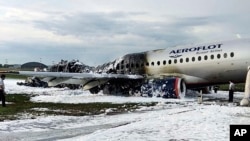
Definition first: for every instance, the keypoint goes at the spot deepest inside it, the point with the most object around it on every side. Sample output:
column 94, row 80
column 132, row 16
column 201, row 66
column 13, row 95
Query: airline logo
column 199, row 50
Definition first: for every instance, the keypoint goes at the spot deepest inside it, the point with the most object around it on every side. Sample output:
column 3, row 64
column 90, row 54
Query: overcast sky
column 98, row 31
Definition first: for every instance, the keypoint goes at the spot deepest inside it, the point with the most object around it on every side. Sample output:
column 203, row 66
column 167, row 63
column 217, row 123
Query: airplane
column 180, row 67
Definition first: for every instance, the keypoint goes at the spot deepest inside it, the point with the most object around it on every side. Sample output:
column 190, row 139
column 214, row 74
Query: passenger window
column 132, row 65
column 118, row 67
column 147, row 64
column 152, row 63
column 193, row 59
column 212, row 57
column 169, row 62
column 158, row 63
column 181, row 60
column 218, row 56
column 187, row 60
column 164, row 62
column 142, row 64
column 137, row 65
column 231, row 54
column 127, row 65
column 175, row 61
column 199, row 58
column 205, row 57
column 225, row 55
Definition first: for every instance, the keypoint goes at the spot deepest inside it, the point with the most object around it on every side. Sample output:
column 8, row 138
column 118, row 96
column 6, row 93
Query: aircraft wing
column 88, row 80
column 79, row 75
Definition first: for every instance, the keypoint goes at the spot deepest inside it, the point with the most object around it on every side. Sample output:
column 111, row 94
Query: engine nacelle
column 180, row 87
column 167, row 88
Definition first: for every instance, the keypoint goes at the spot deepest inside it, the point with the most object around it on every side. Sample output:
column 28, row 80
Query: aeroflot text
column 193, row 49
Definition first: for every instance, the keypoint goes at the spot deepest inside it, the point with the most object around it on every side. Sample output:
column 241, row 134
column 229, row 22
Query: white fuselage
column 202, row 64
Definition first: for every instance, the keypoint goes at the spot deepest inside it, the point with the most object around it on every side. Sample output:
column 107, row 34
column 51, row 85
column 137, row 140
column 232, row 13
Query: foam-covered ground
column 170, row 119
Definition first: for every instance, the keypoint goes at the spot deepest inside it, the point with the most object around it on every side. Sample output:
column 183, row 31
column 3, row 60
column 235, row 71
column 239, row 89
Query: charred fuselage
column 128, row 64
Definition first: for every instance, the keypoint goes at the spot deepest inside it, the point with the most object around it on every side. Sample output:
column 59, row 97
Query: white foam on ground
column 170, row 119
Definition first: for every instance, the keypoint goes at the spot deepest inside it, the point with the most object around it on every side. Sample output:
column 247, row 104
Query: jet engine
column 167, row 88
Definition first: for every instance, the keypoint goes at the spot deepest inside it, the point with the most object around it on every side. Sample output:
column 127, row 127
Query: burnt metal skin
column 132, row 64
column 128, row 64
column 138, row 64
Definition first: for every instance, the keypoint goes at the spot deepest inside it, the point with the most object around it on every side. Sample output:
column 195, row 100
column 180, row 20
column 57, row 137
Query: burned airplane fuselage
column 150, row 65
column 137, row 70
column 131, row 64
column 128, row 64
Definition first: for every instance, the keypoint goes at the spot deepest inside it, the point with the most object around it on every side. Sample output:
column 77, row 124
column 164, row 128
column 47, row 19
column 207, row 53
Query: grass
column 15, row 76
column 21, row 105
column 239, row 87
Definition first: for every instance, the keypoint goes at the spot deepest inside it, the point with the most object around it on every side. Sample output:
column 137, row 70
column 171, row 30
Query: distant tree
column 1, row 65
column 5, row 65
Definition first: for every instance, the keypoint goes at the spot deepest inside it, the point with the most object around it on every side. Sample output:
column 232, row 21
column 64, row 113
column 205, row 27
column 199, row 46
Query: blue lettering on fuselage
column 195, row 49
